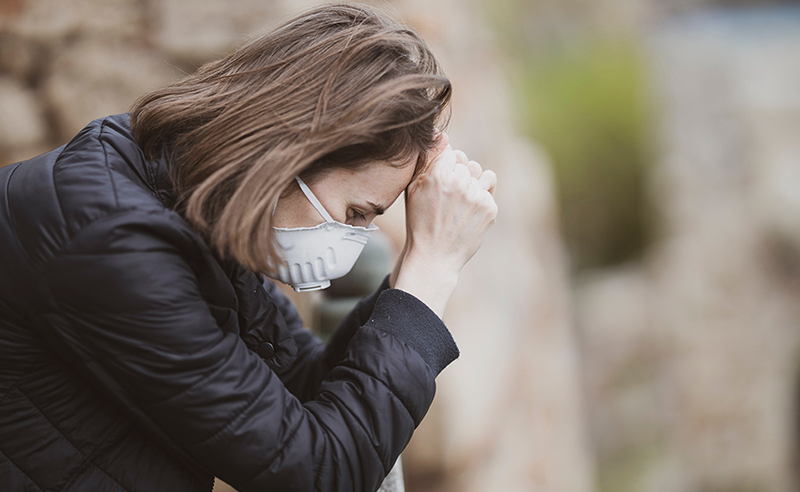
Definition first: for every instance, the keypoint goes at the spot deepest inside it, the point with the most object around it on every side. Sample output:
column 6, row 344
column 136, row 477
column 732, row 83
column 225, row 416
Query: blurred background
column 632, row 322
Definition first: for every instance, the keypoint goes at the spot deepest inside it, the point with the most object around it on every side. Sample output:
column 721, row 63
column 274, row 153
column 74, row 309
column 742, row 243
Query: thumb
column 441, row 140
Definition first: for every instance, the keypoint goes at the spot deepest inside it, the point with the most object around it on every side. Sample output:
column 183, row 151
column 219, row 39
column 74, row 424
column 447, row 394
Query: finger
column 461, row 157
column 488, row 181
column 440, row 141
column 461, row 172
column 436, row 153
column 493, row 211
column 446, row 141
column 444, row 161
column 474, row 169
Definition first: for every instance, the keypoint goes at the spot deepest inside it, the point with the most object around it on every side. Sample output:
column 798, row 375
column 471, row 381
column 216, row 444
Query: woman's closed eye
column 359, row 214
column 357, row 218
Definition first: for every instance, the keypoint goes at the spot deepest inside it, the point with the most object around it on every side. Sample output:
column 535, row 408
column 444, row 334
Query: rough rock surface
column 692, row 356
column 53, row 20
column 509, row 412
column 93, row 79
column 21, row 119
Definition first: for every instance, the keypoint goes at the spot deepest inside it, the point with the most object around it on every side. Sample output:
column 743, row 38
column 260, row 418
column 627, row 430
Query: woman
column 140, row 348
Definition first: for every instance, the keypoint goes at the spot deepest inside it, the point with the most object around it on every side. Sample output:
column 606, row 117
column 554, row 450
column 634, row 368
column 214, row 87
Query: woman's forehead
column 380, row 183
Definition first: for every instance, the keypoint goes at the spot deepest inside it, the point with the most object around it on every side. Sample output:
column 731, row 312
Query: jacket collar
column 155, row 174
column 160, row 181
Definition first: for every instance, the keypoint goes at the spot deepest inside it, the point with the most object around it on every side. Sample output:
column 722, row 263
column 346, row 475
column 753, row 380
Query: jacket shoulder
column 48, row 199
column 101, row 172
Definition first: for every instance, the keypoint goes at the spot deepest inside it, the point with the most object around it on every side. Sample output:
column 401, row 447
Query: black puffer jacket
column 133, row 358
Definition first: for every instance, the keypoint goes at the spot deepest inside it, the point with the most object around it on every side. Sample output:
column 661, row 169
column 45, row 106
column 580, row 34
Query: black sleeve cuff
column 404, row 316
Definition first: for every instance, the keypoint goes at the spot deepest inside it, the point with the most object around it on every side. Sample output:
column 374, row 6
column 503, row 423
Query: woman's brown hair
column 340, row 85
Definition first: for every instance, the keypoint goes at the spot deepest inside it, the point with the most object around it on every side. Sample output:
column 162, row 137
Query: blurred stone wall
column 691, row 356
column 508, row 415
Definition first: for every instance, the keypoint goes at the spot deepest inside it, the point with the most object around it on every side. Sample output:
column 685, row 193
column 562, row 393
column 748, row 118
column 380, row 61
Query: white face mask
column 312, row 256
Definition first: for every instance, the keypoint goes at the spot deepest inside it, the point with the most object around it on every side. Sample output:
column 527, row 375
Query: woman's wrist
column 430, row 284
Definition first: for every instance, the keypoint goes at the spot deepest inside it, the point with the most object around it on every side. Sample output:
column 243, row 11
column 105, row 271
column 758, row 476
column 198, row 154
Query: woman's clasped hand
column 449, row 207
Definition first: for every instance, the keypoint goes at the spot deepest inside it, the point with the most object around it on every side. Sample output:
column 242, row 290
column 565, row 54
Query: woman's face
column 352, row 197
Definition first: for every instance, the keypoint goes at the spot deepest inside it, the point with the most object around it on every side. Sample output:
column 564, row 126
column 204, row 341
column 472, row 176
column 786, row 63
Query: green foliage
column 625, row 471
column 589, row 107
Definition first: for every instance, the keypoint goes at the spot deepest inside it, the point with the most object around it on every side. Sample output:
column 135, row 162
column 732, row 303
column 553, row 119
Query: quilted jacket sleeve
column 314, row 358
column 122, row 301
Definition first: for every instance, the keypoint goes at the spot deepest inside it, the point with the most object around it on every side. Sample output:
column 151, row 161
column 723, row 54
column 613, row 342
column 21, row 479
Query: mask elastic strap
column 313, row 199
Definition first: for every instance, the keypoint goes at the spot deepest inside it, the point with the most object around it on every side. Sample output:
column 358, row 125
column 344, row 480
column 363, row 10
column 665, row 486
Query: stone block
column 508, row 414
column 50, row 20
column 204, row 30
column 10, row 156
column 727, row 184
column 19, row 57
column 21, row 118
column 95, row 79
